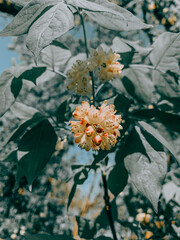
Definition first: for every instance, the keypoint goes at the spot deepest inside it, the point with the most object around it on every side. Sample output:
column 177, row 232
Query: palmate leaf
column 120, row 19
column 51, row 25
column 147, row 170
column 23, row 20
column 166, row 52
column 37, row 145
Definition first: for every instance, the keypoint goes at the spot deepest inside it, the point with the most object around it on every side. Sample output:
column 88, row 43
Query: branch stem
column 108, row 206
column 87, row 55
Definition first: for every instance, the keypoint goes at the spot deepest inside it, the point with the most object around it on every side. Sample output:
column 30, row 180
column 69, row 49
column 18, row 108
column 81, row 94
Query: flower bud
column 97, row 140
column 89, row 131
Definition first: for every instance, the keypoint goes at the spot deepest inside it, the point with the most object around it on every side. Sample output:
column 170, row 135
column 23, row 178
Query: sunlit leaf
column 166, row 52
column 23, row 111
column 120, row 19
column 25, row 18
column 148, row 128
column 51, row 25
column 138, row 83
column 146, row 173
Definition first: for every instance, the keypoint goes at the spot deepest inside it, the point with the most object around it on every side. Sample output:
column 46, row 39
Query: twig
column 87, row 54
column 108, row 206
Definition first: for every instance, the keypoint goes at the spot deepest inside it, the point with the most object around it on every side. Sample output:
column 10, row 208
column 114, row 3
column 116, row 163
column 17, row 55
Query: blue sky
column 5, row 54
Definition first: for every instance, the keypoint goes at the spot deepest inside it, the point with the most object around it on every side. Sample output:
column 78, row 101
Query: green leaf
column 166, row 52
column 170, row 120
column 23, row 111
column 32, row 74
column 116, row 18
column 10, row 87
column 102, row 219
column 11, row 83
column 12, row 157
column 39, row 144
column 47, row 237
column 86, row 228
column 60, row 44
column 146, row 176
column 54, row 56
column 25, row 18
column 166, row 85
column 16, row 86
column 122, row 104
column 148, row 128
column 71, row 195
column 63, row 112
column 140, row 86
column 117, row 179
column 36, row 119
column 51, row 25
column 103, row 238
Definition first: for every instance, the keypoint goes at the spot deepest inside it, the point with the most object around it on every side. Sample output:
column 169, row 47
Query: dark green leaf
column 37, row 118
column 32, row 74
column 38, row 144
column 25, row 18
column 51, row 25
column 172, row 121
column 47, row 237
column 148, row 128
column 60, row 44
column 86, row 228
column 122, row 104
column 12, row 157
column 81, row 176
column 102, row 219
column 16, row 86
column 126, row 58
column 103, row 238
column 63, row 112
column 117, row 179
column 71, row 195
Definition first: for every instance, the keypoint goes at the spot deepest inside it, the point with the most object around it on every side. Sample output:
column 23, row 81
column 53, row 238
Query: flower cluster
column 78, row 78
column 108, row 67
column 96, row 128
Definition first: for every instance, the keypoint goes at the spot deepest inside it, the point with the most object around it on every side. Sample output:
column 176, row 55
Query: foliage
column 146, row 94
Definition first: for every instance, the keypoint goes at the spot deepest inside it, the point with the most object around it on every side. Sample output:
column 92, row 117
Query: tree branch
column 10, row 8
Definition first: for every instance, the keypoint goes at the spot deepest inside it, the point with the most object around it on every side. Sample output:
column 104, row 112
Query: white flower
column 96, row 128
column 78, row 78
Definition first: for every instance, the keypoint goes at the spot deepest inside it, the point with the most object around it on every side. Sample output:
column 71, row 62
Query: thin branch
column 108, row 205
column 87, row 54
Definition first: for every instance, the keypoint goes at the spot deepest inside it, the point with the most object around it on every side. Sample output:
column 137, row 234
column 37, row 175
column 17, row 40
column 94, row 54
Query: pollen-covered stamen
column 97, row 140
column 89, row 131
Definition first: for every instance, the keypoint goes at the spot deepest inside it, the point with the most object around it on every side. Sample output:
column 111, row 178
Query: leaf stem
column 108, row 205
column 87, row 54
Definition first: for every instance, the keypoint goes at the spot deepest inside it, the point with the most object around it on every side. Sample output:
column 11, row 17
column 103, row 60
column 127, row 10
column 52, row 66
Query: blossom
column 96, row 128
column 109, row 67
column 78, row 78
